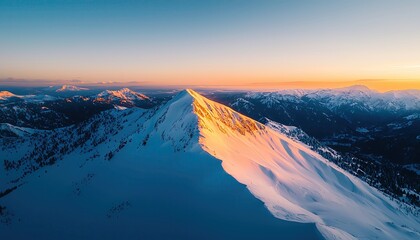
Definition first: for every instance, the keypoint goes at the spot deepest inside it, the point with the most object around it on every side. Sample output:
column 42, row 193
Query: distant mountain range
column 47, row 112
column 359, row 97
column 190, row 163
column 354, row 119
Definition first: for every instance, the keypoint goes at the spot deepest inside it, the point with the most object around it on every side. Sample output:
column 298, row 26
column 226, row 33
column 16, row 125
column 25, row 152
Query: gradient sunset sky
column 215, row 43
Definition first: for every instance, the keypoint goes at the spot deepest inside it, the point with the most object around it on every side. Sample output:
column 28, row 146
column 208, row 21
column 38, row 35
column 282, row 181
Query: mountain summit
column 71, row 88
column 124, row 97
column 124, row 93
column 158, row 166
column 6, row 94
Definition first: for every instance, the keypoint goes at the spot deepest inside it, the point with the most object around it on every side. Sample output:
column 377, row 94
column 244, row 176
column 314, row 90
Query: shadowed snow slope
column 140, row 173
column 296, row 183
column 8, row 130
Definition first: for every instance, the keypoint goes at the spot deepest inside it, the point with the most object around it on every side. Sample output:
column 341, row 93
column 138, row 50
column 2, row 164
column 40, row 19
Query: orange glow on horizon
column 377, row 85
column 380, row 85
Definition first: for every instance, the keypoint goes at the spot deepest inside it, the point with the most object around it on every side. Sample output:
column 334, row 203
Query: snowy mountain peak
column 214, row 115
column 6, row 94
column 184, row 121
column 124, row 94
column 71, row 88
column 124, row 97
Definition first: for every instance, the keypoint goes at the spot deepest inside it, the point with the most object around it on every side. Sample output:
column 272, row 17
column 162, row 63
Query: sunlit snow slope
column 296, row 183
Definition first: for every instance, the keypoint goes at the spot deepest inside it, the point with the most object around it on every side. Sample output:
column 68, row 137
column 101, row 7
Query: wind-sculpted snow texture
column 143, row 173
column 296, row 183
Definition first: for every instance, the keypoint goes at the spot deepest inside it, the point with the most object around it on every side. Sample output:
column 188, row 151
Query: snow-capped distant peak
column 6, row 94
column 120, row 108
column 124, row 94
column 71, row 88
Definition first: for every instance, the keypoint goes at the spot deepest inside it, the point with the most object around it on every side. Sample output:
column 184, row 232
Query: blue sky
column 210, row 42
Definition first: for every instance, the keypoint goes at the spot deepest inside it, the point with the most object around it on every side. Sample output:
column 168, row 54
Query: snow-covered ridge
column 8, row 130
column 6, row 96
column 213, row 115
column 71, row 88
column 296, row 183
